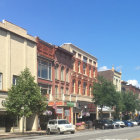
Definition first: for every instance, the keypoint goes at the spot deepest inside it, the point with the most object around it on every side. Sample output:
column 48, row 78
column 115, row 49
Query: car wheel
column 48, row 131
column 72, row 132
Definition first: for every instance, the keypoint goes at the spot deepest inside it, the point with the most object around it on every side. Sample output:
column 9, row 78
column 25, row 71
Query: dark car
column 103, row 124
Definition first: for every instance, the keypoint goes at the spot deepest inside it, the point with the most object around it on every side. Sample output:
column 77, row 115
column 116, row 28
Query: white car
column 60, row 126
column 121, row 123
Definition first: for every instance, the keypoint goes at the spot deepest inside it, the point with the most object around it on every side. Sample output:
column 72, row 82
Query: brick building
column 128, row 87
column 115, row 77
column 54, row 79
column 83, row 74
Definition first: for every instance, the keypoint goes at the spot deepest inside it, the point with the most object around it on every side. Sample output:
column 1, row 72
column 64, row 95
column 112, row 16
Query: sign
column 59, row 111
column 70, row 104
column 67, row 113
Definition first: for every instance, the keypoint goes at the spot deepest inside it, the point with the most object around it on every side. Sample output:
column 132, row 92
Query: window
column 85, row 59
column 84, row 88
column 62, row 90
column 67, row 75
column 56, row 91
column 0, row 81
column 56, row 72
column 67, row 91
column 62, row 73
column 79, row 56
column 73, row 86
column 84, row 68
column 90, row 61
column 15, row 79
column 79, row 64
column 46, row 89
column 79, row 87
column 44, row 70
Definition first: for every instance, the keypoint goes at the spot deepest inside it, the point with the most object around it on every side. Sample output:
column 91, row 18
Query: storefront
column 84, row 111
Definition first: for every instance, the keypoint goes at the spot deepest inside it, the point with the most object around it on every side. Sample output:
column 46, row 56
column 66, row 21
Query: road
column 128, row 133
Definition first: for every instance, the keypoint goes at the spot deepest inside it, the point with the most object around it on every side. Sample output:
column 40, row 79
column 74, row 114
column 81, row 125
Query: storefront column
column 97, row 113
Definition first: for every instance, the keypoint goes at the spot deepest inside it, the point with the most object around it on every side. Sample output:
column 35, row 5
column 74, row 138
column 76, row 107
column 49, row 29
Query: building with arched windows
column 83, row 74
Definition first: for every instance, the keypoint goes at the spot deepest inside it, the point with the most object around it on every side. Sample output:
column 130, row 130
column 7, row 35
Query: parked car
column 60, row 126
column 128, row 123
column 103, row 124
column 115, row 125
column 121, row 123
column 135, row 123
column 138, row 121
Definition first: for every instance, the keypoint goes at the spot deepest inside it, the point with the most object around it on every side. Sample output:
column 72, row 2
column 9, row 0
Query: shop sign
column 59, row 110
column 71, row 104
column 67, row 113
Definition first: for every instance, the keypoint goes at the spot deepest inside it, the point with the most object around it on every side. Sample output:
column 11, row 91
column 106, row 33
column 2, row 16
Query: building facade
column 83, row 74
column 17, row 51
column 54, row 79
column 115, row 77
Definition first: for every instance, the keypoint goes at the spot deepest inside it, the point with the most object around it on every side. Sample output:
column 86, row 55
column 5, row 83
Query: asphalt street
column 128, row 133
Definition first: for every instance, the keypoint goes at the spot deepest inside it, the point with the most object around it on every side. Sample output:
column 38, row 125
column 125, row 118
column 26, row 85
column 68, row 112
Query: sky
column 106, row 29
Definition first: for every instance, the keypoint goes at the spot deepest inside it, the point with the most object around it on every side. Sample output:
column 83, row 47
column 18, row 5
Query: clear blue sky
column 107, row 29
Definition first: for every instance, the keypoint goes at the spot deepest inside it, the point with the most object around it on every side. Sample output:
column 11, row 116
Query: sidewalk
column 20, row 134
column 28, row 133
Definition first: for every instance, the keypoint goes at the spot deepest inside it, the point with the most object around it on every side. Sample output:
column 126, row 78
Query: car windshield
column 63, row 122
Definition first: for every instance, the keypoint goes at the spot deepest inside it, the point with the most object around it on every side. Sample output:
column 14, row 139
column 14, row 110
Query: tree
column 104, row 94
column 24, row 98
column 131, row 104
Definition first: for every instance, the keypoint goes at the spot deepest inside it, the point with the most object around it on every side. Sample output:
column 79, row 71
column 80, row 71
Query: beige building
column 115, row 77
column 17, row 51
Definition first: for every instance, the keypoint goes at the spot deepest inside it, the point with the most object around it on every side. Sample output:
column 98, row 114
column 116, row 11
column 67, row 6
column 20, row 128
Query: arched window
column 62, row 73
column 67, row 75
column 56, row 72
column 84, row 88
column 79, row 87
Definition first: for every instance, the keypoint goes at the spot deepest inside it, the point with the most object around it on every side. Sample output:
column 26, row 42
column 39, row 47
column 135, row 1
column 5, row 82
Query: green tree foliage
column 131, row 103
column 24, row 98
column 104, row 93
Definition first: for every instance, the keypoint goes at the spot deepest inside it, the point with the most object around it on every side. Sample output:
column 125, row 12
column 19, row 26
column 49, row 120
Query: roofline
column 64, row 50
column 81, row 50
